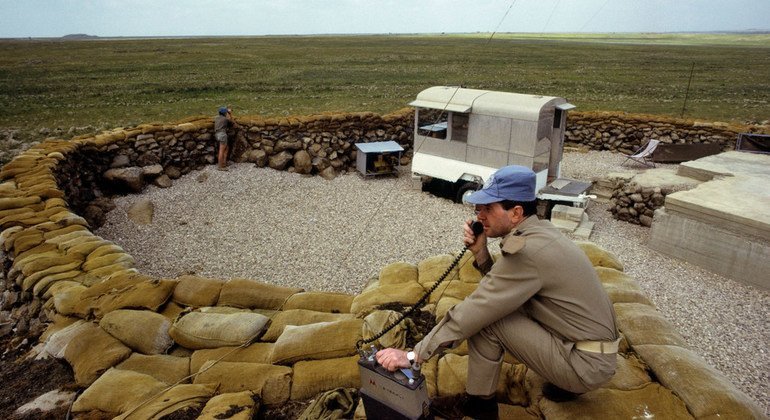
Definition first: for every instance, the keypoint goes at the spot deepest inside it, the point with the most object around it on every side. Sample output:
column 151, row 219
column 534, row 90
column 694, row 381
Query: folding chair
column 644, row 155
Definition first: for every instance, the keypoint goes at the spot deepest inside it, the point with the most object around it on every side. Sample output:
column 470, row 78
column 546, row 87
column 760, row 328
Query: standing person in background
column 221, row 123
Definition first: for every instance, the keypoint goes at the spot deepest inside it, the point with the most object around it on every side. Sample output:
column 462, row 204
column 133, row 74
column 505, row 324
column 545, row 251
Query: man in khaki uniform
column 541, row 301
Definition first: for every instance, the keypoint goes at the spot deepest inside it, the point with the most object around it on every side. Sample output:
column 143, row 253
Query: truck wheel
column 465, row 190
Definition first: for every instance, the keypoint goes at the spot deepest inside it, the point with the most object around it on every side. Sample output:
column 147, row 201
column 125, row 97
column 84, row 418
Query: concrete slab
column 708, row 245
column 665, row 177
column 723, row 224
column 727, row 164
column 738, row 203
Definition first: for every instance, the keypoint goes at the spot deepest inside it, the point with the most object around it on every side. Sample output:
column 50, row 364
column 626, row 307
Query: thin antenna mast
column 687, row 93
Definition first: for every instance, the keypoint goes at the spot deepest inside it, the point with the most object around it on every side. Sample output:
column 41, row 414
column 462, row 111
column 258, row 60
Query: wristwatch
column 410, row 356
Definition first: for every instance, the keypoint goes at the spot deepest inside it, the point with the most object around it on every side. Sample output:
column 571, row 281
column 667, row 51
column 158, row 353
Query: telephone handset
column 477, row 228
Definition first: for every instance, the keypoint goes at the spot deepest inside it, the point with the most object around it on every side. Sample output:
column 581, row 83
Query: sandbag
column 104, row 250
column 323, row 340
column 444, row 305
column 92, row 351
column 117, row 391
column 67, row 300
column 469, row 273
column 650, row 401
column 272, row 383
column 630, row 373
column 432, row 268
column 57, row 342
column 336, row 404
column 706, row 391
column 598, row 256
column 453, row 375
column 30, row 281
column 171, row 310
column 234, row 406
column 143, row 331
column 298, row 317
column 165, row 368
column 453, row 289
column 377, row 321
column 253, row 294
column 198, row 330
column 371, row 298
column 41, row 286
column 314, row 376
column 130, row 290
column 320, row 302
column 398, row 272
column 429, row 369
column 197, row 291
column 168, row 402
column 643, row 324
column 620, row 287
column 253, row 353
column 92, row 264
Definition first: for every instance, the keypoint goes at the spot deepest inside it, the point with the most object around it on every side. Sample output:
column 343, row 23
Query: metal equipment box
column 378, row 158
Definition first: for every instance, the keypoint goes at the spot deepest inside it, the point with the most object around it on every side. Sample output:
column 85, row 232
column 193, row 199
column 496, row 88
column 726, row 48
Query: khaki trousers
column 553, row 359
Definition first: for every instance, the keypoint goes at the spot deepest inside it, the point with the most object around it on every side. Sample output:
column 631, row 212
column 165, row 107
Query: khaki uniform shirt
column 542, row 273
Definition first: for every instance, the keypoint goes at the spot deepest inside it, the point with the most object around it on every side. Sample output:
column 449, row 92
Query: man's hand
column 476, row 244
column 392, row 359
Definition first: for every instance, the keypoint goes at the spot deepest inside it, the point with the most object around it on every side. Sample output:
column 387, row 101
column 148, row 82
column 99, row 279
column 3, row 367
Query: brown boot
column 480, row 408
column 556, row 394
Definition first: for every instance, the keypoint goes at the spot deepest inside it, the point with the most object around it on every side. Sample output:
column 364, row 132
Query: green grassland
column 104, row 83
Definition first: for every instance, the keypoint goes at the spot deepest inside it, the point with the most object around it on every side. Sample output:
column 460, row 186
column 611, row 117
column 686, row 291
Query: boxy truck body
column 462, row 136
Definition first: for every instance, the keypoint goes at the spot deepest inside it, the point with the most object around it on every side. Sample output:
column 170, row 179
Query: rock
column 162, row 181
column 152, row 171
column 94, row 215
column 9, row 298
column 329, row 173
column 645, row 220
column 280, row 161
column 303, row 162
column 103, row 203
column 173, row 172
column 131, row 178
column 202, row 177
column 148, row 159
column 141, row 212
column 120, row 161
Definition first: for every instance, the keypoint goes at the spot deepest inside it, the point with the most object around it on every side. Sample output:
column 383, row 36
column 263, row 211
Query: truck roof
column 486, row 102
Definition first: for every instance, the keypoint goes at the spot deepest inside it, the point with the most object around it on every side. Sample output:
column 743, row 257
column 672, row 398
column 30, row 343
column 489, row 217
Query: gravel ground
column 334, row 235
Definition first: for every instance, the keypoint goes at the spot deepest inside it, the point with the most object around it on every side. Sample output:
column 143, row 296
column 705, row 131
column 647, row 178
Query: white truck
column 462, row 136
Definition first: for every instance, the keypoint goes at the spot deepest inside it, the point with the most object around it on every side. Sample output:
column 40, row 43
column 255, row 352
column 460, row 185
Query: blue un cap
column 514, row 182
column 223, row 110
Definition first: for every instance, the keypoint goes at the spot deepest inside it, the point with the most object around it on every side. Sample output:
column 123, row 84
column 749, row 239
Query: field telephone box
column 378, row 158
column 462, row 136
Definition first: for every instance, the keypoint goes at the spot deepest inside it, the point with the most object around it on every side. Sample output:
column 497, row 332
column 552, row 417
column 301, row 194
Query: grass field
column 96, row 84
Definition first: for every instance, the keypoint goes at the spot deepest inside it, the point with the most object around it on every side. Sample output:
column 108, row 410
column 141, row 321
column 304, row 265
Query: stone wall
column 126, row 160
column 625, row 133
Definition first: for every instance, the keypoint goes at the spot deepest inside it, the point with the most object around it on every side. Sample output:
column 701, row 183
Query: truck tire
column 465, row 190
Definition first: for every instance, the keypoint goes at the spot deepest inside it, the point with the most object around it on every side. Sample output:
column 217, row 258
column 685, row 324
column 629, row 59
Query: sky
column 127, row 18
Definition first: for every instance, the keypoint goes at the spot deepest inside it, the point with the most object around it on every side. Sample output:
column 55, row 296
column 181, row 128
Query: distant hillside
column 79, row 36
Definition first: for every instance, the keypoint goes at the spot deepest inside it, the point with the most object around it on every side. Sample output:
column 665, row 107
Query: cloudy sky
column 54, row 18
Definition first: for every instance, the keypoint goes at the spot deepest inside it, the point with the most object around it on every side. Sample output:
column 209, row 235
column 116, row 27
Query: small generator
column 398, row 395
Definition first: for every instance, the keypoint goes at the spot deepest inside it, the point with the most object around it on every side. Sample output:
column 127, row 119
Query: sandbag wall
column 167, row 344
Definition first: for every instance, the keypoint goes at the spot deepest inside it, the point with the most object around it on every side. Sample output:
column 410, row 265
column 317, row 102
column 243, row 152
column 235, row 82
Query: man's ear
column 516, row 214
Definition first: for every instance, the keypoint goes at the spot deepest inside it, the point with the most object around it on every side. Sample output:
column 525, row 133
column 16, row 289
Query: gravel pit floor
column 334, row 235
